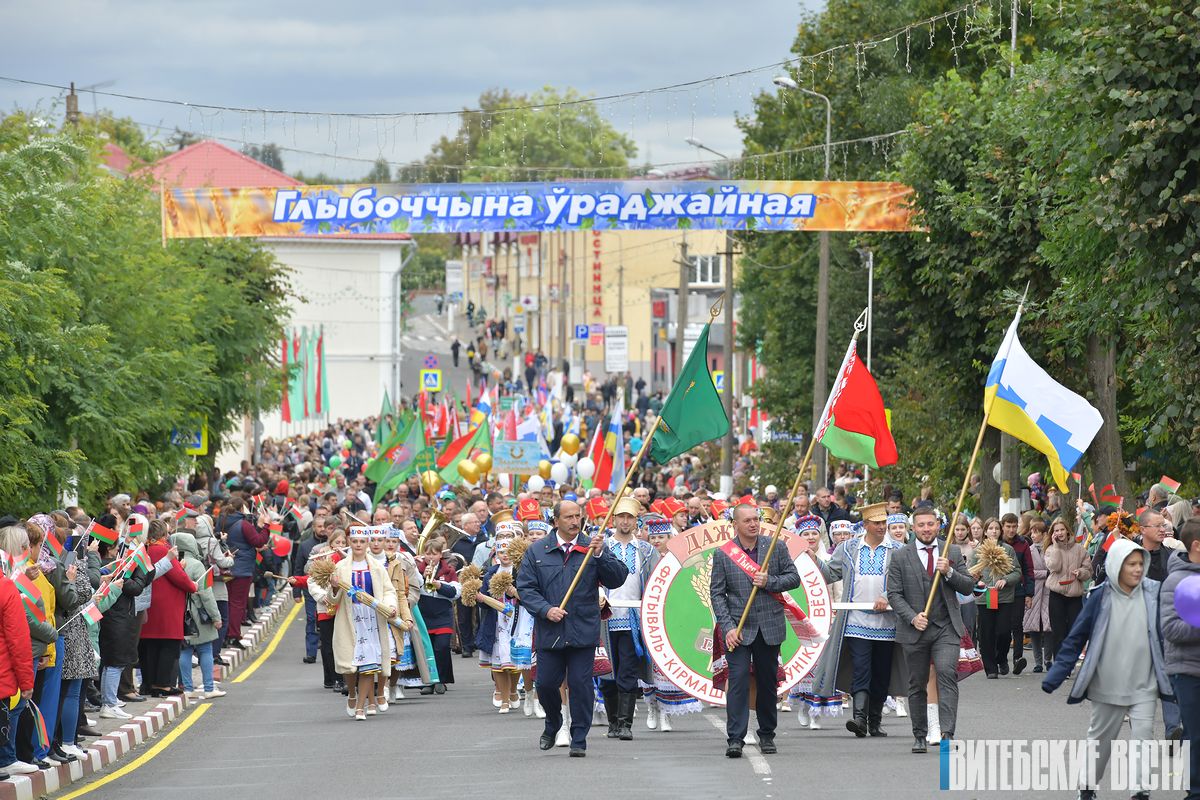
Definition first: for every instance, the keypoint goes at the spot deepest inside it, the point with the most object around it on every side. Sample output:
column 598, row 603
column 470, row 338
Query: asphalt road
column 279, row 736
column 427, row 333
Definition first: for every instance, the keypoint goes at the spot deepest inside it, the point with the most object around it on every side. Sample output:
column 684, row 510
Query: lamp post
column 820, row 355
column 729, row 444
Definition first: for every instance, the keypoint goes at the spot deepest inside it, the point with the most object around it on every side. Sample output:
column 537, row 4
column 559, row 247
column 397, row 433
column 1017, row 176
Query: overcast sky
column 396, row 57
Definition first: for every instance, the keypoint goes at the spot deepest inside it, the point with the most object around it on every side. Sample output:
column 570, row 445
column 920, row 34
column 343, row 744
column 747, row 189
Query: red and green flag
column 136, row 527
column 400, row 461
column 693, row 413
column 1169, row 485
column 40, row 733
column 139, row 558
column 275, row 527
column 91, row 614
column 854, row 424
column 460, row 449
column 258, row 557
column 31, row 595
column 49, row 542
column 103, row 534
column 208, row 579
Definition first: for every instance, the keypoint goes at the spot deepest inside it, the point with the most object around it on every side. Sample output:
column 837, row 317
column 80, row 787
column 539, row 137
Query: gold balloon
column 469, row 471
column 484, row 462
column 544, row 469
column 570, row 444
column 431, row 481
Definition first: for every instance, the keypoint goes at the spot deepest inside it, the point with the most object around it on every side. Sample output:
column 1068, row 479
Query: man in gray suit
column 934, row 637
column 764, row 632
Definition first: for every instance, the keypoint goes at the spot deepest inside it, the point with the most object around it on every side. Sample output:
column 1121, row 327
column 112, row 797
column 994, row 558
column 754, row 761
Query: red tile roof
column 116, row 160
column 212, row 164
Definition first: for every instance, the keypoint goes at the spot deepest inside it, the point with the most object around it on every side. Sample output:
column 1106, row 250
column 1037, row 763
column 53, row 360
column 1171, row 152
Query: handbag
column 190, row 629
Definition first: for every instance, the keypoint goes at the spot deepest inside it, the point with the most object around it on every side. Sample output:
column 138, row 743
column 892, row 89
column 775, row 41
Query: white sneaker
column 538, row 711
column 802, row 715
column 527, row 706
column 75, row 750
column 749, row 737
column 814, row 722
column 652, row 718
column 21, row 768
column 215, row 693
column 664, row 722
column 785, row 706
column 112, row 712
column 935, row 728
column 564, row 735
column 901, row 706
column 120, row 704
column 195, row 694
column 397, row 693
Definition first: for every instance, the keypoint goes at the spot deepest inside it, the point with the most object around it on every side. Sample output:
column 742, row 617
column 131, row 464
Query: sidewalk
column 122, row 737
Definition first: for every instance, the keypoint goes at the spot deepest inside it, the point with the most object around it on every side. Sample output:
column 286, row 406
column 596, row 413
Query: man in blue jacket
column 566, row 638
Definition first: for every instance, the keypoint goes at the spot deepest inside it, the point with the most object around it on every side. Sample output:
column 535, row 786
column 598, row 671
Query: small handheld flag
column 91, row 614
column 993, row 598
column 208, row 579
column 31, row 596
column 1169, row 484
column 136, row 527
column 49, row 542
column 101, row 533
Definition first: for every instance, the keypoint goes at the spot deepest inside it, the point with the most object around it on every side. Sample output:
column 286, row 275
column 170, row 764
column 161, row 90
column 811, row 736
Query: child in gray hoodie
column 1123, row 671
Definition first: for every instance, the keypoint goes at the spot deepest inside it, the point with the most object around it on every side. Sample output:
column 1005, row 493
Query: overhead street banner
column 359, row 210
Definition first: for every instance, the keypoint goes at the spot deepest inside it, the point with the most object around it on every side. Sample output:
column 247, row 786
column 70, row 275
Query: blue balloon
column 635, row 444
column 1187, row 600
column 570, row 496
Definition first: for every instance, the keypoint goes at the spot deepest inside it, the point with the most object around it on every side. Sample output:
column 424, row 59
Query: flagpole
column 608, row 514
column 859, row 326
column 962, row 492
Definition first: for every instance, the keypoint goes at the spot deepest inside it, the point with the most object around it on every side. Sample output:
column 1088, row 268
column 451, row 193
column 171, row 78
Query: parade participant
column 1037, row 615
column 807, row 703
column 402, row 572
column 676, row 511
column 962, row 538
column 595, row 509
column 622, row 629
column 439, row 589
column 759, row 641
column 1023, row 588
column 506, row 636
column 933, row 638
column 361, row 639
column 663, row 698
column 995, row 604
column 859, row 656
column 332, row 549
column 566, row 638
column 465, row 546
column 897, row 526
column 1123, row 672
column 1068, row 571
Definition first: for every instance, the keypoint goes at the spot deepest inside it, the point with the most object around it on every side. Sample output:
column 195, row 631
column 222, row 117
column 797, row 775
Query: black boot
column 875, row 718
column 611, row 710
column 858, row 723
column 626, row 702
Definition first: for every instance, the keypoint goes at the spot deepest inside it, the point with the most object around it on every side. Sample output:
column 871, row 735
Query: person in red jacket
column 162, row 633
column 16, row 667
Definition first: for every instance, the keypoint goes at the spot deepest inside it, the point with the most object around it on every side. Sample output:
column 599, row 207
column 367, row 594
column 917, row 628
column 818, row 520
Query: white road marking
column 757, row 762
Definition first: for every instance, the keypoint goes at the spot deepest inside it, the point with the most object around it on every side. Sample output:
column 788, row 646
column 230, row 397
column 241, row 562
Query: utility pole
column 562, row 301
column 72, row 106
column 731, row 437
column 620, row 294
column 681, row 315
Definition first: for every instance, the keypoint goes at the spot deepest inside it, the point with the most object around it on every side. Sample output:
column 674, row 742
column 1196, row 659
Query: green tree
column 381, row 172
column 267, row 154
column 448, row 158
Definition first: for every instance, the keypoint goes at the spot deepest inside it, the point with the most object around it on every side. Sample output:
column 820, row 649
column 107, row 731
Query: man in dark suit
column 566, row 638
column 764, row 632
column 934, row 636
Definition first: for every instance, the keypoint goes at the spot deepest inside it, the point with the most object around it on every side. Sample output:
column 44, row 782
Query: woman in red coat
column 162, row 632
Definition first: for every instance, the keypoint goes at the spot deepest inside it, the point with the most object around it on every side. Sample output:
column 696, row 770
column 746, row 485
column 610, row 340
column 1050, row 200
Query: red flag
column 510, row 425
column 52, row 544
column 993, row 598
column 320, row 364
column 103, row 534
column 208, row 578
column 92, row 614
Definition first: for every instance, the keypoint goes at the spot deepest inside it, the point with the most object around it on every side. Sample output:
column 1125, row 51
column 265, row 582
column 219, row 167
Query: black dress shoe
column 330, row 686
column 43, row 764
column 767, row 746
column 310, row 659
column 1019, row 666
column 235, row 643
column 578, row 752
column 468, row 653
column 439, row 688
column 132, row 698
column 992, row 676
column 87, row 730
column 1003, row 668
column 919, row 745
column 734, row 750
column 220, row 662
column 426, row 690
column 546, row 742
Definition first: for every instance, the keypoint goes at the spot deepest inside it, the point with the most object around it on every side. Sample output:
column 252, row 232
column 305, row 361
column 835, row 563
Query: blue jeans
column 8, row 732
column 48, row 702
column 312, row 639
column 68, row 713
column 110, row 679
column 1187, row 692
column 204, row 654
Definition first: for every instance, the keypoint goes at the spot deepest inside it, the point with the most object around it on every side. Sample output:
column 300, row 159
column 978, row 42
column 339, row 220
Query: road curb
column 107, row 750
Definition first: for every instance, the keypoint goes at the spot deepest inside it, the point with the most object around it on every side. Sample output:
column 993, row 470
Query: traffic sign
column 431, row 380
column 194, row 439
column 719, row 380
column 581, row 332
column 616, row 349
column 431, row 361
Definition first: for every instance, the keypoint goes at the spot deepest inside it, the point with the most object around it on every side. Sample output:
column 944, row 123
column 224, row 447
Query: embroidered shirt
column 870, row 583
column 622, row 619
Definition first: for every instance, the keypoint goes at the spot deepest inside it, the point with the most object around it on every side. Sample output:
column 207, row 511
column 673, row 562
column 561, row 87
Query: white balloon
column 586, row 468
column 559, row 473
column 570, row 461
column 536, row 484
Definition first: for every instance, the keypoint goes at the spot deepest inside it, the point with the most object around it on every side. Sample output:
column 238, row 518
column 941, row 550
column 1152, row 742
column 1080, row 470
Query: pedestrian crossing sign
column 719, row 380
column 431, row 380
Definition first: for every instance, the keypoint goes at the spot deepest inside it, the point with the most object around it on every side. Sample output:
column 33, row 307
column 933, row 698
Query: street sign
column 616, row 349
column 431, row 361
column 194, row 439
column 529, row 301
column 516, row 458
column 518, row 323
column 431, row 380
column 454, row 281
column 506, row 403
column 719, row 380
column 581, row 332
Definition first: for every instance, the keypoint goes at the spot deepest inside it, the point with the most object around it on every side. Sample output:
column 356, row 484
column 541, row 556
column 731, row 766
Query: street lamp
column 729, row 444
column 821, row 355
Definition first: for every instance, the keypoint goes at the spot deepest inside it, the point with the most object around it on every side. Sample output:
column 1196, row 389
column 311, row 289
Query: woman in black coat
column 119, row 632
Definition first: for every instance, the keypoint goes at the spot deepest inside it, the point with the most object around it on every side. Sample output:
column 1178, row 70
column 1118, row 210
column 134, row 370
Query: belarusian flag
column 404, row 443
column 208, row 579
column 91, row 614
column 51, row 544
column 136, row 527
column 854, row 424
column 275, row 527
column 461, row 448
column 31, row 595
column 1170, row 485
column 103, row 534
column 693, row 413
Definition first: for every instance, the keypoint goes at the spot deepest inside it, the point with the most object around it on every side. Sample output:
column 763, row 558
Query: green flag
column 461, row 448
column 399, row 461
column 383, row 431
column 693, row 413
column 378, row 467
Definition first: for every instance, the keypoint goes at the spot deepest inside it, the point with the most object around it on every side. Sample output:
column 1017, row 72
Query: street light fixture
column 821, row 355
column 729, row 445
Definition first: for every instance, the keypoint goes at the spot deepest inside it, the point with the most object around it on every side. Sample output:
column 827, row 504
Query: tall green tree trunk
column 1108, row 465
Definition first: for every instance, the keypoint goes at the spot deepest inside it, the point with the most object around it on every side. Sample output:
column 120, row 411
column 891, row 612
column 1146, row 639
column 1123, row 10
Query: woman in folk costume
column 402, row 571
column 507, row 635
column 806, row 527
column 362, row 642
column 439, row 589
column 664, row 698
